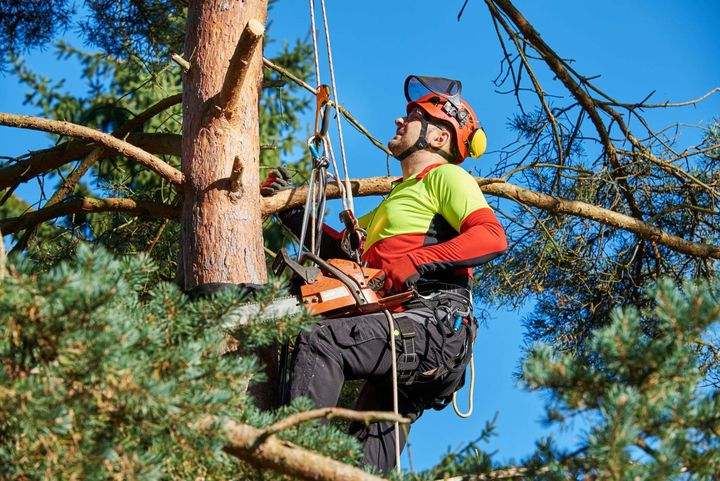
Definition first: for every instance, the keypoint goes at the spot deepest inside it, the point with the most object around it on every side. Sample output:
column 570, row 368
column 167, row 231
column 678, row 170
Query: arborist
column 426, row 235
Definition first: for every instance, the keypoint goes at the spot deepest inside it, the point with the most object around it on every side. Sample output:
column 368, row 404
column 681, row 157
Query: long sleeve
column 481, row 239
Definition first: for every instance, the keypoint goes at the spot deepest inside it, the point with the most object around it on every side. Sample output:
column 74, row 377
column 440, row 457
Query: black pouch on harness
column 451, row 325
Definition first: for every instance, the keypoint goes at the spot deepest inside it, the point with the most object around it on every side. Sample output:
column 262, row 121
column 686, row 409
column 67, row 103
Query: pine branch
column 73, row 130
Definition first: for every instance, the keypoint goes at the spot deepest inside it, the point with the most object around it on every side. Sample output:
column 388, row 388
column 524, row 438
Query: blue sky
column 637, row 46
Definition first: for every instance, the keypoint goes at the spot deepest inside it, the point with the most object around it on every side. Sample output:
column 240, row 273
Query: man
column 426, row 235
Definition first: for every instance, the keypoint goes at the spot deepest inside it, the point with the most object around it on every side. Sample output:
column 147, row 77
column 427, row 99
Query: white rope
column 348, row 189
column 341, row 186
column 315, row 42
column 344, row 189
column 470, row 396
column 391, row 326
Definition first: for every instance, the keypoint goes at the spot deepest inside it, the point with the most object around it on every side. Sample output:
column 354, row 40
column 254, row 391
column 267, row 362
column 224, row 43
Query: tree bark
column 222, row 239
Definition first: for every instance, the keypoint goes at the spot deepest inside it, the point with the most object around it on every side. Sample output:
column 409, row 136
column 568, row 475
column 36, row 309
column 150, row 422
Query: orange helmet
column 440, row 99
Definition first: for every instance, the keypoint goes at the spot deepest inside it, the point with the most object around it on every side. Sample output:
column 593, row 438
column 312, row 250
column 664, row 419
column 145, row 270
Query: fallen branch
column 281, row 456
column 153, row 163
column 88, row 205
column 556, row 205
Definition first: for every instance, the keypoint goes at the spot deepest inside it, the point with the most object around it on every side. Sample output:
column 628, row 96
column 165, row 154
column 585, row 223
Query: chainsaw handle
column 328, row 268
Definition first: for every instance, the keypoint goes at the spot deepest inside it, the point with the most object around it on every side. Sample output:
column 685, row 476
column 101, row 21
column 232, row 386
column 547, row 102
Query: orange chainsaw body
column 331, row 297
column 338, row 287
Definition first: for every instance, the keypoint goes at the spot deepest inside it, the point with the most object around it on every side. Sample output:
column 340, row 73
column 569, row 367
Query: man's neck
column 419, row 161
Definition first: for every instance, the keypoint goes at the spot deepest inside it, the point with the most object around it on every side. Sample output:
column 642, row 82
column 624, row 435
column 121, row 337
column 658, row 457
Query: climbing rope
column 348, row 189
column 345, row 187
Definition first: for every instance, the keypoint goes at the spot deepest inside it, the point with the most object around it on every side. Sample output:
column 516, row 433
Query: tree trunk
column 222, row 239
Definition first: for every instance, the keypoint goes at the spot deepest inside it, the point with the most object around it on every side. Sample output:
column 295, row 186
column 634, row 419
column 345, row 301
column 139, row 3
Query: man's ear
column 439, row 138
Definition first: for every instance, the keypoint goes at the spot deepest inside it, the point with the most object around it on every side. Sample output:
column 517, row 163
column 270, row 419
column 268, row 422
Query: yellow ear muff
column 477, row 143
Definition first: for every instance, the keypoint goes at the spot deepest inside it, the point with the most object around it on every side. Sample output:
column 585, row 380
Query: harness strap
column 408, row 360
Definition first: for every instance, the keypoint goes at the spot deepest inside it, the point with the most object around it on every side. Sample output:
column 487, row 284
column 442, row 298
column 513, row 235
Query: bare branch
column 281, row 456
column 285, row 73
column 89, row 205
column 668, row 103
column 497, row 187
column 73, row 130
column 381, row 186
column 504, row 473
column 289, row 75
column 557, row 65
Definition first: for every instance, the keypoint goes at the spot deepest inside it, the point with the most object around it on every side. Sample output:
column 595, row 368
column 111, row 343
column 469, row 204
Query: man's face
column 407, row 132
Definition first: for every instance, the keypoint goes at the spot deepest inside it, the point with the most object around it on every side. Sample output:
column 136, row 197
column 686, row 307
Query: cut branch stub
column 230, row 96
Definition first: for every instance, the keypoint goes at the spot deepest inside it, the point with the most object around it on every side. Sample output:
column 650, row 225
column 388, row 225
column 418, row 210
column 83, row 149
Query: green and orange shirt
column 437, row 219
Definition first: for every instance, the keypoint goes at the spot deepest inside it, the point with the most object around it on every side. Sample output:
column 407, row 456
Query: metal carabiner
column 315, row 144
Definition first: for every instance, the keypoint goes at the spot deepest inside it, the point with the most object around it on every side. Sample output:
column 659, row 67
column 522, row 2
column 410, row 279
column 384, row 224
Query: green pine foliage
column 105, row 374
column 650, row 411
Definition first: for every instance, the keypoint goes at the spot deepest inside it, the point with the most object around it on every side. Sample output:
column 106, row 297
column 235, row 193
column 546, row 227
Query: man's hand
column 277, row 180
column 399, row 276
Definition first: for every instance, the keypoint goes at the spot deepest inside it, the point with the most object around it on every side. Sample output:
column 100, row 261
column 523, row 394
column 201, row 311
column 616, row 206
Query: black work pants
column 358, row 347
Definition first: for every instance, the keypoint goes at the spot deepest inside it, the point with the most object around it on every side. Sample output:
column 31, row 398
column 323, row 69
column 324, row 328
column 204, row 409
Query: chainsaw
column 328, row 288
